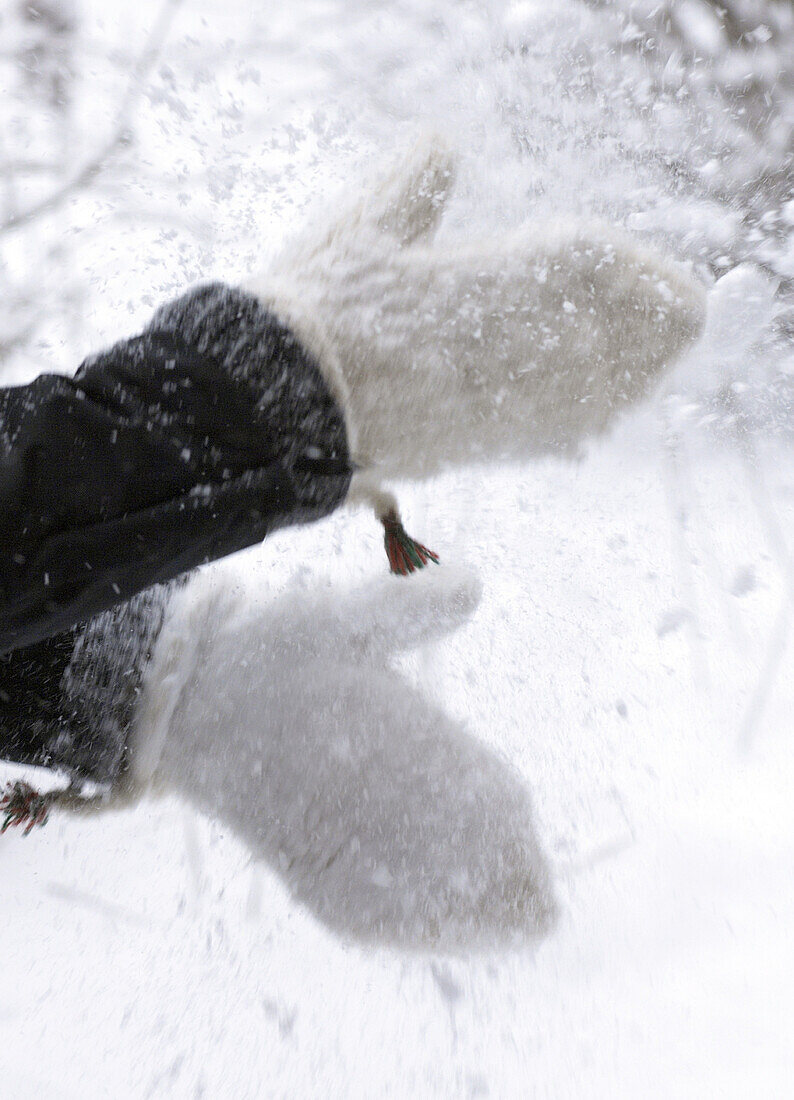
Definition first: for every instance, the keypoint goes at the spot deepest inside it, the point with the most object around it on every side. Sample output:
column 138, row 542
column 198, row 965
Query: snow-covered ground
column 630, row 656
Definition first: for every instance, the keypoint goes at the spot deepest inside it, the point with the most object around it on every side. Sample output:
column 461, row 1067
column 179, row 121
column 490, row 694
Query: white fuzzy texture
column 477, row 351
column 382, row 814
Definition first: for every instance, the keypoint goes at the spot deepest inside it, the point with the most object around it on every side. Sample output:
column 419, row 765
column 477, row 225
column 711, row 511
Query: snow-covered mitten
column 442, row 352
column 382, row 814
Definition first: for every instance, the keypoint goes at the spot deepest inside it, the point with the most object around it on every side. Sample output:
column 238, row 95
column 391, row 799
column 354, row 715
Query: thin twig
column 770, row 670
column 701, row 529
column 678, row 513
column 121, row 135
column 776, row 647
column 599, row 853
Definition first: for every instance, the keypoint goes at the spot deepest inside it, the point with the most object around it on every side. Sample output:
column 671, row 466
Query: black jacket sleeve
column 147, row 463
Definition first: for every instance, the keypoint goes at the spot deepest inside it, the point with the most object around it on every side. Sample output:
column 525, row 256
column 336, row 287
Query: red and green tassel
column 22, row 805
column 405, row 554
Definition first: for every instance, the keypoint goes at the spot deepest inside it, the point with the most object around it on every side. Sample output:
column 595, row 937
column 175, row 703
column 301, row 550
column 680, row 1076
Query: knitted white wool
column 382, row 815
column 503, row 347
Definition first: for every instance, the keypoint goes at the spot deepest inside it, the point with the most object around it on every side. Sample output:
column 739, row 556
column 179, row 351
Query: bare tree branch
column 121, row 134
column 778, row 639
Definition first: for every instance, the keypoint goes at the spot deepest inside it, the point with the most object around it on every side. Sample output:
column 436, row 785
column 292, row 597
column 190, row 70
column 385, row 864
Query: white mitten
column 385, row 817
column 507, row 345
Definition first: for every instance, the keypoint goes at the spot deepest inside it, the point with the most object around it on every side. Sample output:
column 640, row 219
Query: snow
column 152, row 956
column 628, row 663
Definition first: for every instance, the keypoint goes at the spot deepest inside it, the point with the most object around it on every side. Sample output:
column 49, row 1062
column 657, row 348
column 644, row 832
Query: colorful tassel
column 24, row 806
column 405, row 554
